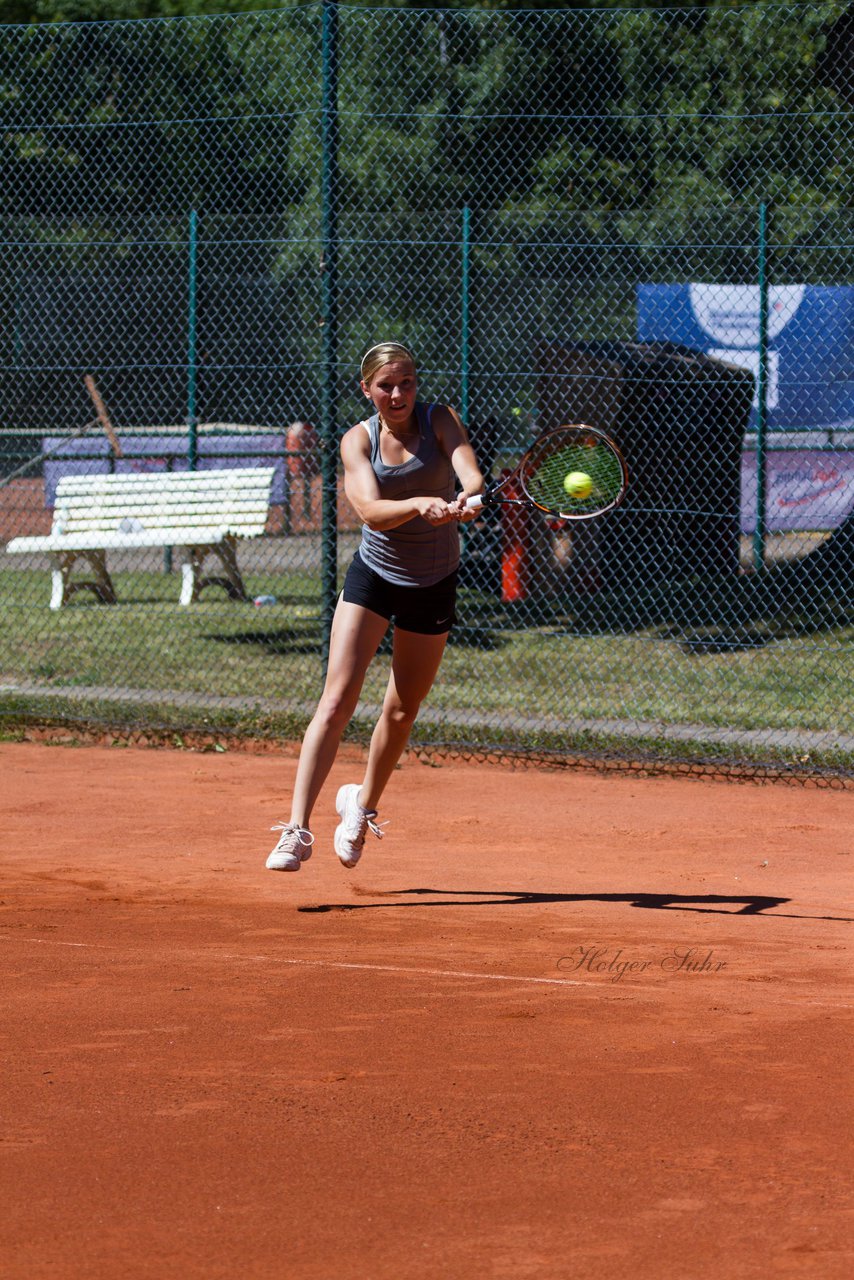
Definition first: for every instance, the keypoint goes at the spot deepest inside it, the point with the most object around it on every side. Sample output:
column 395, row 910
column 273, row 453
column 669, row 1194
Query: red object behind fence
column 303, row 445
column 515, row 548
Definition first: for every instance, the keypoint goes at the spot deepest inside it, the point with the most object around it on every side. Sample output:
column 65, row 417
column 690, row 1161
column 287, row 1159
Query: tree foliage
column 625, row 107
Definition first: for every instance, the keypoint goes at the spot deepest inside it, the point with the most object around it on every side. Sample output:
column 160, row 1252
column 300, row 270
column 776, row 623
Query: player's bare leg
column 353, row 643
column 415, row 661
column 415, row 664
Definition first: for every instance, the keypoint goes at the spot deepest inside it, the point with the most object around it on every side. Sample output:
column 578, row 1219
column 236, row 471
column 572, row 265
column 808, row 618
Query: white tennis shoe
column 293, row 848
column 354, row 825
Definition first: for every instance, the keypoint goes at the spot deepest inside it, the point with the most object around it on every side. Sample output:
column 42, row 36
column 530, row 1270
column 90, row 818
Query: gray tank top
column 417, row 553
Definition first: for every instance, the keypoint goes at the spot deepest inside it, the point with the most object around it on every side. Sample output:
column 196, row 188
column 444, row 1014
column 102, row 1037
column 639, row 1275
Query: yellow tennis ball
column 578, row 484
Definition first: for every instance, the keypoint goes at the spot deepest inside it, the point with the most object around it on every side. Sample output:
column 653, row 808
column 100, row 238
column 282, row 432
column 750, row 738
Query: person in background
column 302, row 443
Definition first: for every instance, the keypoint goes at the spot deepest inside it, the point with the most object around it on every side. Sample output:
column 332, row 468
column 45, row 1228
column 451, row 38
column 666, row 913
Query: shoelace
column 357, row 835
column 285, row 827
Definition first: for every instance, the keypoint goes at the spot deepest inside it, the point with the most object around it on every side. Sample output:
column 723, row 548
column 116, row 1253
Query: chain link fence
column 636, row 218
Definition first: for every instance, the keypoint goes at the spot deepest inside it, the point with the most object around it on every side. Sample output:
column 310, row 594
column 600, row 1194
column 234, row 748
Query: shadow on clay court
column 709, row 903
column 746, row 904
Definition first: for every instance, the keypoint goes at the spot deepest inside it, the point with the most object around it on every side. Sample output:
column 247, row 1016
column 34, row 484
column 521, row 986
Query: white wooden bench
column 202, row 512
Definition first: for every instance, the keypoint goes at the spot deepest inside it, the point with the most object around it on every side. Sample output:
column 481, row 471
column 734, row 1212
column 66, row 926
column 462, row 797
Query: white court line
column 338, row 964
column 434, row 973
column 602, row 986
column 51, row 942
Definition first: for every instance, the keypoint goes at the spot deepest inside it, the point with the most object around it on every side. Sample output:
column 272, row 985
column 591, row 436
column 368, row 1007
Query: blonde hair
column 383, row 353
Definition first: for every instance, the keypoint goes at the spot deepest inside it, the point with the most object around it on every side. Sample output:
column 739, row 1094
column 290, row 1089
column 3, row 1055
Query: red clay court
column 556, row 1024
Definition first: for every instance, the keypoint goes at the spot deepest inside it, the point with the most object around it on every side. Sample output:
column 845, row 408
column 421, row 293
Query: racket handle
column 475, row 502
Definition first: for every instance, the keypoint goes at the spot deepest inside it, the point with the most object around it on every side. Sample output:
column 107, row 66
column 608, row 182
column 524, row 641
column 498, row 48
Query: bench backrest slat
column 225, row 477
column 236, row 499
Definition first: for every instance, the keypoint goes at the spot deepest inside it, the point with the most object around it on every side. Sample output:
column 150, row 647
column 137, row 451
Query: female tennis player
column 400, row 466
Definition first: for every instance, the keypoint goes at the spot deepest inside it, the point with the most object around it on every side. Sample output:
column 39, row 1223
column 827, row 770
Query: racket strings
column 545, row 474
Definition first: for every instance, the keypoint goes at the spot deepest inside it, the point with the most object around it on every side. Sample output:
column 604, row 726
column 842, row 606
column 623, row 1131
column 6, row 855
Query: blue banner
column 810, row 342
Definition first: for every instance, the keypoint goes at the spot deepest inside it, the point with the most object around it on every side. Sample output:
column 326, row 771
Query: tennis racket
column 574, row 472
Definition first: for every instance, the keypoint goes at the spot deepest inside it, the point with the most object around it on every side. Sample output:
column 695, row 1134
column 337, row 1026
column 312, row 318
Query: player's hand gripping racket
column 574, row 472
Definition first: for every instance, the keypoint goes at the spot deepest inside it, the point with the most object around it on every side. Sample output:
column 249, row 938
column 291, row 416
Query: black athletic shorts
column 428, row 611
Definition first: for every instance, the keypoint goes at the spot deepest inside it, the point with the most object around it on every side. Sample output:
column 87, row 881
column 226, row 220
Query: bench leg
column 64, row 586
column 193, row 580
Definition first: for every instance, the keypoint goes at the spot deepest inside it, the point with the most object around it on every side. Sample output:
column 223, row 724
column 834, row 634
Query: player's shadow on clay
column 719, row 904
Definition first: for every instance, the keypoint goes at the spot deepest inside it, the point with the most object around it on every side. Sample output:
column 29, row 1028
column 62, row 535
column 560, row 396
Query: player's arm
column 455, row 442
column 363, row 491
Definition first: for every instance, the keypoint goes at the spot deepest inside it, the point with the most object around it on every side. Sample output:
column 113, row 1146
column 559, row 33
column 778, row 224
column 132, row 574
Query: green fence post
column 465, row 334
column 465, row 331
column 19, row 321
column 759, row 533
column 192, row 371
column 329, row 288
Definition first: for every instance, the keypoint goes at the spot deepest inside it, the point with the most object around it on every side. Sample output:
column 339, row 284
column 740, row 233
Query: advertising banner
column 804, row 489
column 810, row 342
column 810, row 386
